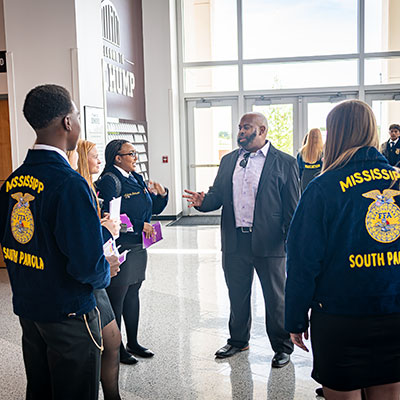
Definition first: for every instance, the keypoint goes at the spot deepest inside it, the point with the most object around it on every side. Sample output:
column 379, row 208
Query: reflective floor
column 184, row 314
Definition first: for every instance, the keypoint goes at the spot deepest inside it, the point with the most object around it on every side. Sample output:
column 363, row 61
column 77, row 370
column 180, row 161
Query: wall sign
column 3, row 63
column 94, row 129
column 123, row 59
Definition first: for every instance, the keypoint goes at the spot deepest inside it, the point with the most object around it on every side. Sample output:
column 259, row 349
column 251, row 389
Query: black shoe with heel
column 140, row 351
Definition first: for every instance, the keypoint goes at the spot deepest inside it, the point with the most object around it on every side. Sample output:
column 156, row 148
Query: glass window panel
column 211, row 79
column 386, row 112
column 280, row 124
column 382, row 70
column 382, row 28
column 210, row 30
column 213, row 139
column 287, row 28
column 300, row 75
column 317, row 113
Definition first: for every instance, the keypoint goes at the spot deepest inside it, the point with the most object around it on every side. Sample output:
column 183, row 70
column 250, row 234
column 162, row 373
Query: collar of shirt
column 263, row 150
column 393, row 141
column 50, row 148
column 123, row 172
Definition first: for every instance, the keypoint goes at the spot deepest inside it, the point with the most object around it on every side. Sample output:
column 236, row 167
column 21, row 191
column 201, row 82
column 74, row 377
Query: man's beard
column 248, row 140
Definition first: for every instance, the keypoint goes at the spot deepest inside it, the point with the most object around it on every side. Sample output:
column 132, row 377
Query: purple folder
column 125, row 220
column 156, row 238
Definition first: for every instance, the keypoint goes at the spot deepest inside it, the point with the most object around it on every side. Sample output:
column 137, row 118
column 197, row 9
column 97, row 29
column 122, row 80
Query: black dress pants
column 239, row 271
column 61, row 360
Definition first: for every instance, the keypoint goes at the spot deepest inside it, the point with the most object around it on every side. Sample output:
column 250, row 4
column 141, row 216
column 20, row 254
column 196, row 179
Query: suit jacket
column 277, row 196
column 391, row 153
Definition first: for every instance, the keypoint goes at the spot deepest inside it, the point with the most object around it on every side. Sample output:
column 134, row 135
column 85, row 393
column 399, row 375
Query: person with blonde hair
column 87, row 164
column 309, row 158
column 343, row 264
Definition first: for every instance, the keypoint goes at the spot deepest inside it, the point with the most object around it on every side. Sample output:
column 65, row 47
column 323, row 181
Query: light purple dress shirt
column 245, row 184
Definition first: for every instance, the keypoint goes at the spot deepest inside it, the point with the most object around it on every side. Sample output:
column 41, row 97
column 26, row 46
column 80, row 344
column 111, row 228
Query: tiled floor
column 184, row 313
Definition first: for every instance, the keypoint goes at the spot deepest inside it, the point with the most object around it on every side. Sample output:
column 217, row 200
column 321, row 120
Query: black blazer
column 391, row 153
column 277, row 197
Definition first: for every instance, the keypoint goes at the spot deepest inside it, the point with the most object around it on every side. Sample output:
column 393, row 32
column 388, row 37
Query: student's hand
column 148, row 230
column 113, row 225
column 114, row 264
column 297, row 339
column 195, row 199
column 156, row 188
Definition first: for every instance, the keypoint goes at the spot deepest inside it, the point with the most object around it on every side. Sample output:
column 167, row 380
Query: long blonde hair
column 311, row 151
column 350, row 126
column 83, row 148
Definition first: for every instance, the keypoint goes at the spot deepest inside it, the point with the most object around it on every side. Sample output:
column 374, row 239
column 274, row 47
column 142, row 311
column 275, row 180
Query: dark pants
column 239, row 271
column 125, row 302
column 61, row 360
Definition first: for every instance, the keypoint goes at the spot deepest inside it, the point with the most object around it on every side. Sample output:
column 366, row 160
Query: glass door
column 386, row 107
column 282, row 117
column 317, row 108
column 211, row 134
column 290, row 118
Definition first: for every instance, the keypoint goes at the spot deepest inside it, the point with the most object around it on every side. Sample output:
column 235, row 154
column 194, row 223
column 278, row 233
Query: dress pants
column 61, row 360
column 239, row 271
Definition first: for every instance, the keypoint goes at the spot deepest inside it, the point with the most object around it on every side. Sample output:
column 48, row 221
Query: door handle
column 203, row 165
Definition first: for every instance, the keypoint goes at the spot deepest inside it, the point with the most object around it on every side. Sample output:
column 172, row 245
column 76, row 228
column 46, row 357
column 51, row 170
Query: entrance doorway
column 386, row 107
column 290, row 118
column 211, row 134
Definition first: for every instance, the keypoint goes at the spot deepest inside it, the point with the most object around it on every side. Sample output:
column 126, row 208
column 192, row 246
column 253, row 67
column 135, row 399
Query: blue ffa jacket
column 391, row 153
column 343, row 248
column 307, row 171
column 51, row 239
column 137, row 202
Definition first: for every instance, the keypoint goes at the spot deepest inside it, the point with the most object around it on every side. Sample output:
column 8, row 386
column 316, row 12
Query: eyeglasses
column 245, row 160
column 133, row 154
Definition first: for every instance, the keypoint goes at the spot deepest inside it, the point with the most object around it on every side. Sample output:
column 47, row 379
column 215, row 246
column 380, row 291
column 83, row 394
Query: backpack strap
column 118, row 184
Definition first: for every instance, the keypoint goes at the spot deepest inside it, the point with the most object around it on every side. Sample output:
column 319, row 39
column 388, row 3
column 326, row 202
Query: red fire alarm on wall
column 164, row 159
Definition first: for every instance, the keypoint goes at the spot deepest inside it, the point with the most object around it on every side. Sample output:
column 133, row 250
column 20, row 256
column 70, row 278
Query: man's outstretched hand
column 194, row 198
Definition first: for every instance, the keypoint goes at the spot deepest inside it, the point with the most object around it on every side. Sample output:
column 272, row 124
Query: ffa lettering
column 366, row 176
column 25, row 181
column 128, row 195
column 390, row 258
column 19, row 257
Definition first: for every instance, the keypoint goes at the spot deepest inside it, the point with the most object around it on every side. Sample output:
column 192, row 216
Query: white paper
column 115, row 208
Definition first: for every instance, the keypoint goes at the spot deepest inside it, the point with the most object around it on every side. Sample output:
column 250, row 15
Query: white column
column 162, row 97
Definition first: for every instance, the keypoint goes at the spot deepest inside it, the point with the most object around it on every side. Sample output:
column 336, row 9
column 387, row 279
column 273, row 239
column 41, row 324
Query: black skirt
column 133, row 270
column 354, row 352
column 104, row 306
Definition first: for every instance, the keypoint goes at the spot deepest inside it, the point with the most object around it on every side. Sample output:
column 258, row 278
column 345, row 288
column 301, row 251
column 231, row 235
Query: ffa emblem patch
column 397, row 151
column 22, row 225
column 383, row 216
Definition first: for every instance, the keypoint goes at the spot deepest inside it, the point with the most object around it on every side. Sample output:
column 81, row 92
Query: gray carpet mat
column 196, row 220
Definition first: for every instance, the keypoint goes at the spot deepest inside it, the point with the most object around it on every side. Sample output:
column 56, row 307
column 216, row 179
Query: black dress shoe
column 140, row 352
column 280, row 360
column 228, row 351
column 130, row 360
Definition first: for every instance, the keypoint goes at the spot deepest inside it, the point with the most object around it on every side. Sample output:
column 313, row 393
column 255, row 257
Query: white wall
column 162, row 97
column 89, row 51
column 49, row 41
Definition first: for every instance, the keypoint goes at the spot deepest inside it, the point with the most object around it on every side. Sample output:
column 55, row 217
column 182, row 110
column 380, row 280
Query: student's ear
column 262, row 130
column 118, row 159
column 66, row 122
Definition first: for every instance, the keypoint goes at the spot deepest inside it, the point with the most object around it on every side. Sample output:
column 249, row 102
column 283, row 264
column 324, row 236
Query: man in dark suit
column 258, row 189
column 391, row 148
